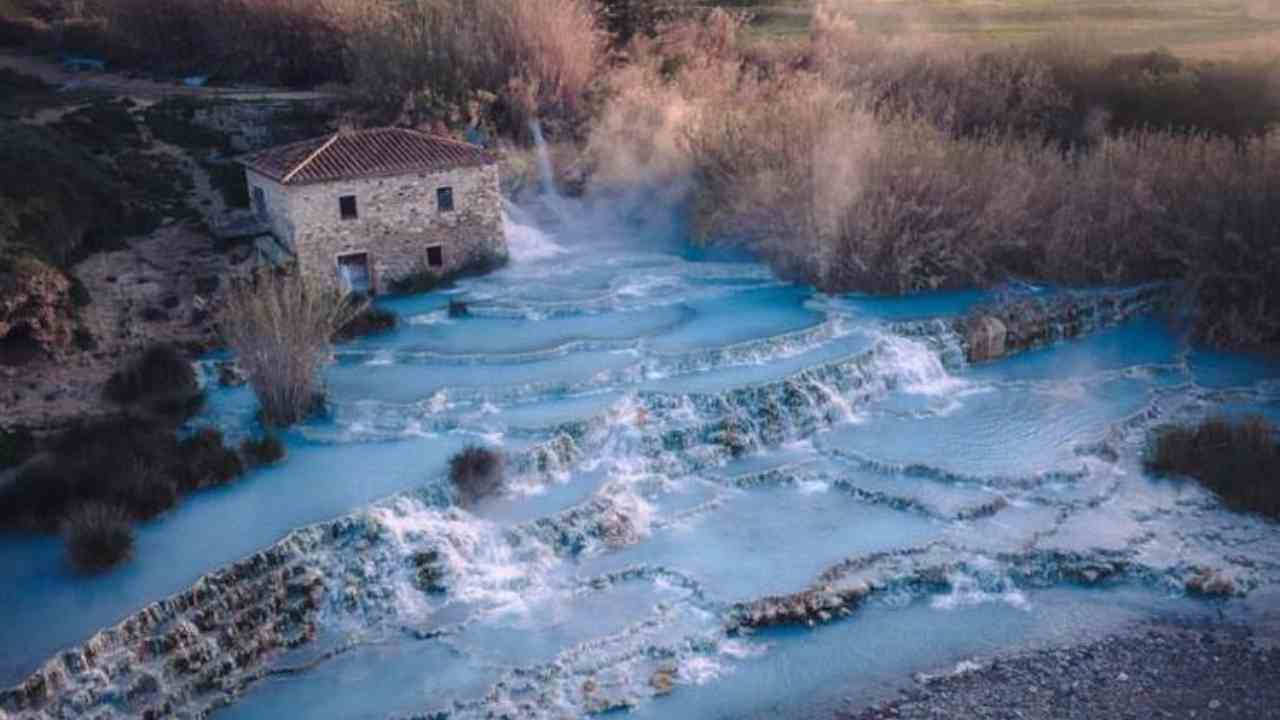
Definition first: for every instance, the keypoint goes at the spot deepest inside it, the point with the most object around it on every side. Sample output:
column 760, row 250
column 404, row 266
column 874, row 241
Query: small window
column 435, row 256
column 347, row 206
column 444, row 199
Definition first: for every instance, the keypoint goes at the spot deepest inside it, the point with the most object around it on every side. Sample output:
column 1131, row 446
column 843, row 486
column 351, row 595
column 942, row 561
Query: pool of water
column 734, row 437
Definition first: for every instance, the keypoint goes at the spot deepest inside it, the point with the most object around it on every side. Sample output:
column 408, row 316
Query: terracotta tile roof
column 355, row 154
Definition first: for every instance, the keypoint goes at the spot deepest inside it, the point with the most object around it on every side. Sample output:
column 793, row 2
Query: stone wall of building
column 277, row 201
column 397, row 222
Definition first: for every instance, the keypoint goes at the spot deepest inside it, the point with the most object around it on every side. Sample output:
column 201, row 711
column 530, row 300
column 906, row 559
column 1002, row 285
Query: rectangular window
column 444, row 199
column 347, row 206
column 435, row 256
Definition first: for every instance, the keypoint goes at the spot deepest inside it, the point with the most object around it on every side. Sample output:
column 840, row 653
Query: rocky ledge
column 1003, row 328
column 1164, row 670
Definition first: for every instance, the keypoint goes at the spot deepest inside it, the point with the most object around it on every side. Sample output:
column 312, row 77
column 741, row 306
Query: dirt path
column 116, row 84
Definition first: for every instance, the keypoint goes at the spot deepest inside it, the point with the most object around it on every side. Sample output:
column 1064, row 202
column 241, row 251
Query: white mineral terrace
column 728, row 496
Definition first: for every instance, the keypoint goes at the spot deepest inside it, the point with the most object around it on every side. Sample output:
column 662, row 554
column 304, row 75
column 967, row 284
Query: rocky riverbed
column 1158, row 670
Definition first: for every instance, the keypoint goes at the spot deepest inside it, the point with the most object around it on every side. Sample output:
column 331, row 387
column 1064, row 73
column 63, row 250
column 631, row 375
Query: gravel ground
column 1156, row 671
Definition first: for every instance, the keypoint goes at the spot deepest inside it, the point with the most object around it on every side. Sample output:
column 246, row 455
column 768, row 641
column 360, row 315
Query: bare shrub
column 965, row 89
column 281, row 329
column 1238, row 460
column 519, row 59
column 849, row 185
column 98, row 537
column 476, row 472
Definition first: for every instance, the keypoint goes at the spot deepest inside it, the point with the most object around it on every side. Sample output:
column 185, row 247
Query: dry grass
column 281, row 330
column 1238, row 460
column 467, row 61
column 878, row 166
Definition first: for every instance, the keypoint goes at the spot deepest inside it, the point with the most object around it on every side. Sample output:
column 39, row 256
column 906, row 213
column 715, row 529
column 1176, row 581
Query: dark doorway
column 355, row 274
column 435, row 256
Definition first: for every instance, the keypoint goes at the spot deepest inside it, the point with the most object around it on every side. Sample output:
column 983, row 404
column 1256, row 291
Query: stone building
column 369, row 207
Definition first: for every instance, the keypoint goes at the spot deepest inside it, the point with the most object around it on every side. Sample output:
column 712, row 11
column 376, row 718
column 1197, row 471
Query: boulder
column 985, row 338
column 1211, row 583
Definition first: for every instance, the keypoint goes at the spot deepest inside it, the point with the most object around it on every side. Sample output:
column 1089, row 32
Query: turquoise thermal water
column 614, row 333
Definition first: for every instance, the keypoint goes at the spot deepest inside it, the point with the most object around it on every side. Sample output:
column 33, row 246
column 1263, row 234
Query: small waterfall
column 547, row 174
column 525, row 241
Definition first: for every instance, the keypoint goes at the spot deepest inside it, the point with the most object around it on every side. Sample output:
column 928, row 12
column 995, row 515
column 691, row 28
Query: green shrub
column 1238, row 460
column 16, row 446
column 145, row 491
column 228, row 179
column 103, row 127
column 262, row 451
column 173, row 121
column 80, row 296
column 161, row 379
column 476, row 472
column 204, row 460
column 370, row 321
column 97, row 461
column 130, row 462
column 56, row 199
column 98, row 537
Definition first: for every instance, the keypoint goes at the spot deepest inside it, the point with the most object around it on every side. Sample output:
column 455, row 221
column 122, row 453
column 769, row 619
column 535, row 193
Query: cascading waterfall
column 546, row 173
column 696, row 452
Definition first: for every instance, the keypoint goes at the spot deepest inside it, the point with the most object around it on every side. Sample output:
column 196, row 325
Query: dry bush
column 1238, row 460
column 894, row 167
column 965, row 89
column 476, row 473
column 281, row 330
column 514, row 60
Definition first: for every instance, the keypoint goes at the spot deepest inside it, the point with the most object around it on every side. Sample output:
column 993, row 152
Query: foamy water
column 686, row 434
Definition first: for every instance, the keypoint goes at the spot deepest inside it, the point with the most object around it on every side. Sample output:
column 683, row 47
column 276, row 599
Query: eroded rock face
column 192, row 650
column 35, row 304
column 811, row 607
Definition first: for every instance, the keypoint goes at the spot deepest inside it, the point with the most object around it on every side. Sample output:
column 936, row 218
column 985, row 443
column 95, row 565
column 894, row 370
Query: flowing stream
column 689, row 436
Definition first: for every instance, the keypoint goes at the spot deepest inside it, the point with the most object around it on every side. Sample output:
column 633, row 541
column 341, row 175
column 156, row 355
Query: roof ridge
column 285, row 180
column 438, row 138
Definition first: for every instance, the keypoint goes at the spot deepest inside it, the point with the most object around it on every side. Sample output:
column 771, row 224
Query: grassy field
column 1208, row 29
